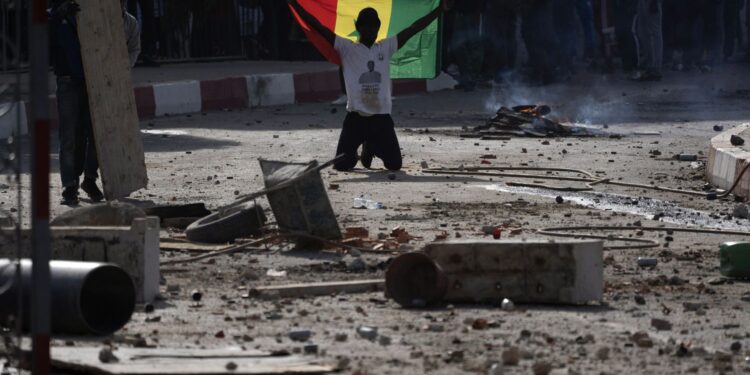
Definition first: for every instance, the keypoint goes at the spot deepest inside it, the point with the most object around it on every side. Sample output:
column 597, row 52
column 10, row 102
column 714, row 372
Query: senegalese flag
column 419, row 58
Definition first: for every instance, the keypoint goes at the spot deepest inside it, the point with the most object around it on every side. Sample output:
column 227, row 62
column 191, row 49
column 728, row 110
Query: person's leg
column 349, row 141
column 586, row 16
column 383, row 141
column 90, row 163
column 67, row 110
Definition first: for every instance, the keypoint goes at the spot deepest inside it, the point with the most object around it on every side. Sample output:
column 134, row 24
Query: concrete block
column 177, row 97
column 270, row 89
column 532, row 271
column 9, row 117
column 134, row 248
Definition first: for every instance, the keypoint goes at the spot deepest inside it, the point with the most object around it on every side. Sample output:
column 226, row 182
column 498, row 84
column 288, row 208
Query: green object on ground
column 735, row 259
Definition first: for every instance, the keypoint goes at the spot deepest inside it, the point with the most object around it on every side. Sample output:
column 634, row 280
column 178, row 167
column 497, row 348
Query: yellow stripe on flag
column 348, row 10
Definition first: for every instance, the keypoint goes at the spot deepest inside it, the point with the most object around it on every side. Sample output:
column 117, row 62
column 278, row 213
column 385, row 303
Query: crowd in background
column 485, row 37
column 482, row 38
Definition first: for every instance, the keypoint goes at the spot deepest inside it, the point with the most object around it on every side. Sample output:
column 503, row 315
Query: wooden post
column 111, row 99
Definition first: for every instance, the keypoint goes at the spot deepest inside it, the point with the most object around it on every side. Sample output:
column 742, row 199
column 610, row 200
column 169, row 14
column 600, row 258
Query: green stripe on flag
column 420, row 57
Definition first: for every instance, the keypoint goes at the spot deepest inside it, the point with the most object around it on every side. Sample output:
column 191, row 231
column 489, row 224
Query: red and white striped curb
column 183, row 97
column 725, row 162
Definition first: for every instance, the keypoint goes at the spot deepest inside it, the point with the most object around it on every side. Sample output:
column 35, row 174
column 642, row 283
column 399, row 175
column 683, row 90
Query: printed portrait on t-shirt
column 371, row 76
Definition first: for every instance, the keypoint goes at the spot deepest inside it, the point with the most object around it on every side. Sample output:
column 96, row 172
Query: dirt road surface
column 213, row 157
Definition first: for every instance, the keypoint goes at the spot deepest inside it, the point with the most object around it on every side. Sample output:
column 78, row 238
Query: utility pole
column 40, row 234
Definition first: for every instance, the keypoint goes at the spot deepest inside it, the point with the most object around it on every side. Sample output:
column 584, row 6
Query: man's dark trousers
column 378, row 135
column 77, row 148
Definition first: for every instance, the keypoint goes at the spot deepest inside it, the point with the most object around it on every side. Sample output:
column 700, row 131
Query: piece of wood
column 144, row 361
column 191, row 246
column 319, row 289
column 114, row 117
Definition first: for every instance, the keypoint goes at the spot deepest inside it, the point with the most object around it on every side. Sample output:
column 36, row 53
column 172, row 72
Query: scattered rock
column 355, row 265
column 661, row 324
column 602, row 353
column 541, row 368
column 479, row 324
column 741, row 211
column 436, row 328
column 647, row 262
column 384, row 340
column 300, row 335
column 642, row 339
column 736, row 346
column 639, row 300
column 196, row 295
column 106, row 356
column 718, row 128
column 559, row 199
column 511, row 356
column 341, row 337
column 310, row 349
column 736, row 140
column 231, row 366
column 367, row 333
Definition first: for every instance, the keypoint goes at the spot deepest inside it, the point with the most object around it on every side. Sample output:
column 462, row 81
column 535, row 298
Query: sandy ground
column 212, row 157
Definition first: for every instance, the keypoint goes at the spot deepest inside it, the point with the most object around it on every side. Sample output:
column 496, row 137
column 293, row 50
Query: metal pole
column 40, row 236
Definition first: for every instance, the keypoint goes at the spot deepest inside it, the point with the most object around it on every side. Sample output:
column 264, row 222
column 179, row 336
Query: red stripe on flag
column 325, row 12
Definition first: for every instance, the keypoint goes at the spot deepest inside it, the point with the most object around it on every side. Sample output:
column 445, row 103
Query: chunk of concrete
column 110, row 214
column 135, row 248
column 525, row 271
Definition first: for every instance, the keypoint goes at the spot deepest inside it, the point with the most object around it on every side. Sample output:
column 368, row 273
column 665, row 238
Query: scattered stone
column 602, row 353
column 436, row 328
column 455, row 356
column 106, row 356
column 693, row 306
column 736, row 140
column 639, row 300
column 341, row 337
column 647, row 262
column 310, row 349
column 148, row 308
column 642, row 339
column 231, row 366
column 479, row 324
column 300, row 335
column 495, row 369
column 736, row 346
column 718, row 128
column 384, row 340
column 220, row 335
column 741, row 211
column 511, row 356
column 367, row 333
column 196, row 295
column 559, row 200
column 507, row 305
column 661, row 324
column 356, row 265
column 541, row 368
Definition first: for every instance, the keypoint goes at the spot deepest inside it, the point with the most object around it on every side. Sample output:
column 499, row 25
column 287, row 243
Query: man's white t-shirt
column 367, row 74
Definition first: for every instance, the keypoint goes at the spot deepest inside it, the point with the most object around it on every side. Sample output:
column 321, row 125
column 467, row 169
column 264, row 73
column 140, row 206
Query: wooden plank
column 114, row 117
column 136, row 361
column 319, row 289
column 191, row 246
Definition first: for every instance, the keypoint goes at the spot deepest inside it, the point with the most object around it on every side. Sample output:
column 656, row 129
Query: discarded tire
column 222, row 227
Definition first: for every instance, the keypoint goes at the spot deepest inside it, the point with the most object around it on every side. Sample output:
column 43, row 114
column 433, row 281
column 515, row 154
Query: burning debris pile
column 525, row 121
